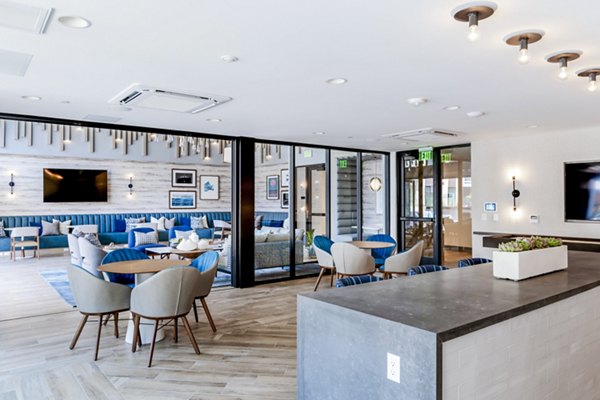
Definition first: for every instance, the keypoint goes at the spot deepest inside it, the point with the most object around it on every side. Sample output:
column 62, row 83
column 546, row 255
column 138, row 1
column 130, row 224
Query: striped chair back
column 356, row 280
column 472, row 261
column 381, row 254
column 424, row 269
column 206, row 261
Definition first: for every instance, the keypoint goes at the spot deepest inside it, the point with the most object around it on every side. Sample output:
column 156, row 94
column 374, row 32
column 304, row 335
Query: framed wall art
column 209, row 187
column 183, row 178
column 273, row 187
column 182, row 199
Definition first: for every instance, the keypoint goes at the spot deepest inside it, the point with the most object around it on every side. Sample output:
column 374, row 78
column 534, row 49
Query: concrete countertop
column 459, row 301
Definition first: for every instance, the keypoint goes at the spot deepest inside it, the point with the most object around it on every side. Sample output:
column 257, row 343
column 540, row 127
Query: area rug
column 60, row 282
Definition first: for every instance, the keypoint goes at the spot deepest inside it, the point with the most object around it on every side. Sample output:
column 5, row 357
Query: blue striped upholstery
column 123, row 255
column 206, row 261
column 356, row 280
column 472, row 261
column 381, row 254
column 424, row 269
column 323, row 243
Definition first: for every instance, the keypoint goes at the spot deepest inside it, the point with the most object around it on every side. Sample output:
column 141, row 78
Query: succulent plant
column 530, row 243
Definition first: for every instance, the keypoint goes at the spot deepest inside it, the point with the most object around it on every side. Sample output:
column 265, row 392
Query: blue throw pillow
column 185, row 221
column 273, row 223
column 120, row 225
column 38, row 225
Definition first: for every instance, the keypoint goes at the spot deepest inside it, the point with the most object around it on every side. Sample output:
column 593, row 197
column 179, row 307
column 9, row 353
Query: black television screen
column 75, row 185
column 582, row 191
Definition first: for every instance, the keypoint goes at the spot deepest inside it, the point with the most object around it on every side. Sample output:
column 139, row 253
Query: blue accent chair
column 206, row 261
column 467, row 262
column 425, row 269
column 381, row 254
column 356, row 280
column 143, row 247
column 122, row 255
column 181, row 228
column 323, row 243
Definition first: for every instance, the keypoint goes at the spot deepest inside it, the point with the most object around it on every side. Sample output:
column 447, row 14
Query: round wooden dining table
column 370, row 245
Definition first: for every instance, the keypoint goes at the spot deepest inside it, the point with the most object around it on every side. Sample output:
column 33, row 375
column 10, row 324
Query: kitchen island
column 459, row 334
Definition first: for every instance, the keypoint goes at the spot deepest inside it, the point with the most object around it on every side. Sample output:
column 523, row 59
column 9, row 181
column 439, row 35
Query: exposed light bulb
column 563, row 73
column 524, row 56
column 592, row 86
column 473, row 34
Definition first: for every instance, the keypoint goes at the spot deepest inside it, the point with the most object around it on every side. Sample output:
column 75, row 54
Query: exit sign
column 307, row 153
column 342, row 164
column 426, row 154
column 446, row 157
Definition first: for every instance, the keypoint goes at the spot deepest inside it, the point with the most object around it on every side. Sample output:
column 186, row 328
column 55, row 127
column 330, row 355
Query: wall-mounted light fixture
column 563, row 58
column 375, row 184
column 515, row 193
column 130, row 186
column 473, row 13
column 11, row 184
column 523, row 39
column 591, row 74
column 206, row 149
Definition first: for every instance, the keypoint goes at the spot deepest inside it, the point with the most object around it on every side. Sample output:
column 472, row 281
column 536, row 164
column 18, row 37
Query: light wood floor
column 252, row 355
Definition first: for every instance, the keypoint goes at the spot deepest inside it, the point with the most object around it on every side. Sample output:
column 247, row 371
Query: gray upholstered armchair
column 349, row 260
column 400, row 263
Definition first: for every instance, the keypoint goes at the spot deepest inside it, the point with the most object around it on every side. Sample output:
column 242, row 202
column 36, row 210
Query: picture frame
column 272, row 187
column 184, row 178
column 285, row 178
column 285, row 199
column 182, row 199
column 209, row 187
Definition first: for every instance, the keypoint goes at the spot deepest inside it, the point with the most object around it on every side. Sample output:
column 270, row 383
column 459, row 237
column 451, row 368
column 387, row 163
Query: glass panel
column 373, row 195
column 456, row 204
column 417, row 230
column 344, row 205
column 418, row 187
column 272, row 236
column 311, row 205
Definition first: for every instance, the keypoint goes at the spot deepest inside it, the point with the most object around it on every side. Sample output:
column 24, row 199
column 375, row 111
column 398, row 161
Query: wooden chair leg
column 195, row 310
column 319, row 278
column 98, row 338
column 175, row 329
column 106, row 320
column 332, row 275
column 153, row 342
column 207, row 312
column 186, row 324
column 78, row 332
column 116, row 317
column 136, row 332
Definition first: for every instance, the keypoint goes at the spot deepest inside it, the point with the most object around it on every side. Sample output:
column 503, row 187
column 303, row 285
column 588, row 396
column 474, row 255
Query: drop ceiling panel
column 14, row 63
column 21, row 16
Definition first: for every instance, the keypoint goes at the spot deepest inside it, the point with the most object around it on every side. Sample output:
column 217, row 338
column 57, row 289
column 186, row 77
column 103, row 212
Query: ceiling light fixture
column 318, row 133
column 563, row 58
column 229, row 58
column 74, row 22
column 34, row 98
column 213, row 120
column 532, row 126
column 337, row 81
column 591, row 74
column 451, row 108
column 375, row 184
column 417, row 101
column 473, row 13
column 65, row 102
column 523, row 39
column 475, row 114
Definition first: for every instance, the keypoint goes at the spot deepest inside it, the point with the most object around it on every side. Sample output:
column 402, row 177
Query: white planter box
column 525, row 264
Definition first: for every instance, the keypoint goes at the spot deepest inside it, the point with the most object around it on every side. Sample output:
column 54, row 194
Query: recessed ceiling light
column 532, row 126
column 475, row 114
column 451, row 108
column 65, row 102
column 35, row 98
column 350, row 137
column 318, row 133
column 74, row 22
column 213, row 120
column 337, row 81
column 417, row 101
column 229, row 58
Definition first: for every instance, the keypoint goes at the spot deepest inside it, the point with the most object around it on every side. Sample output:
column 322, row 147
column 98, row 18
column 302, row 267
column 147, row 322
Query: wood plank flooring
column 252, row 355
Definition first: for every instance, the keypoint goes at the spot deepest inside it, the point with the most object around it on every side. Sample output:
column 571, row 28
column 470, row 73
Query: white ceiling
column 389, row 51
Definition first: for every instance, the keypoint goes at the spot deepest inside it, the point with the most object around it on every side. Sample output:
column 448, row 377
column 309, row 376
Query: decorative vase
column 521, row 265
column 311, row 251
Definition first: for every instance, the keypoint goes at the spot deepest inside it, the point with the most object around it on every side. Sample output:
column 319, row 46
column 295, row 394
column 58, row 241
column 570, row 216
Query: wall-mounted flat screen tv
column 75, row 185
column 582, row 191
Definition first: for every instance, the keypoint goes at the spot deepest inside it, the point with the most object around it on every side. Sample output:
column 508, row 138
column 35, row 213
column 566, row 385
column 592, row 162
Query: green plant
column 530, row 243
column 310, row 235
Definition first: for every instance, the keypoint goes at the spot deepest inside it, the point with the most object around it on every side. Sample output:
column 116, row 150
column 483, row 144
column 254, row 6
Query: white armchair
column 400, row 263
column 349, row 260
column 91, row 256
column 325, row 261
column 74, row 249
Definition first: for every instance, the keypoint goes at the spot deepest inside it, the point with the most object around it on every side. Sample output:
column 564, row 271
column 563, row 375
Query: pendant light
column 563, row 58
column 473, row 13
column 523, row 39
column 591, row 74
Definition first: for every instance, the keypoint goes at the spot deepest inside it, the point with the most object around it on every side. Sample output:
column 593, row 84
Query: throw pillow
column 183, row 234
column 185, row 221
column 160, row 223
column 120, row 225
column 77, row 233
column 275, row 223
column 261, row 237
column 90, row 237
column 278, row 237
column 258, row 222
column 204, row 220
column 142, row 238
column 37, row 225
column 286, row 224
column 63, row 227
column 129, row 222
column 299, row 234
column 2, row 231
column 147, row 225
column 169, row 223
column 50, row 228
column 199, row 222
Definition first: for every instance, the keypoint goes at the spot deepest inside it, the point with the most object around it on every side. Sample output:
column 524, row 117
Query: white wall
column 537, row 162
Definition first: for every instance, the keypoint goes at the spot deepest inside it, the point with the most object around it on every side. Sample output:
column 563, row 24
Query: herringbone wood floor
column 252, row 355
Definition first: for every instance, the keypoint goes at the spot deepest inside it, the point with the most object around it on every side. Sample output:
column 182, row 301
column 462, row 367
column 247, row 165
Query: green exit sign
column 342, row 164
column 425, row 154
column 307, row 153
column 446, row 157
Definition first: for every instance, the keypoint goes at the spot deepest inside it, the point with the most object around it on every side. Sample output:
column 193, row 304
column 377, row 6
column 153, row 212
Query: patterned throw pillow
column 169, row 223
column 2, row 231
column 142, row 238
column 129, row 222
column 90, row 237
column 77, row 233
column 50, row 228
column 183, row 234
column 199, row 222
column 63, row 227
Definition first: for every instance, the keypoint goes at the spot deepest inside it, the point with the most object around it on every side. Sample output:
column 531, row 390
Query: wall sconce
column 130, row 186
column 375, row 184
column 11, row 184
column 515, row 193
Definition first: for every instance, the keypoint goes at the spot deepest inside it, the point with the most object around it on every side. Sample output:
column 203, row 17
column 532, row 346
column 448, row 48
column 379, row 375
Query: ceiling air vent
column 144, row 96
column 422, row 135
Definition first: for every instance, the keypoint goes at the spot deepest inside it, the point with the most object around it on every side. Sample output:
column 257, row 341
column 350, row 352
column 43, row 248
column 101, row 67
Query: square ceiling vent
column 145, row 96
column 422, row 135
column 16, row 15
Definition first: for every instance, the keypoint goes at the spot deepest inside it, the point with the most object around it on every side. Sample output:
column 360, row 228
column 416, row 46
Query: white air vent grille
column 422, row 135
column 15, row 15
column 167, row 100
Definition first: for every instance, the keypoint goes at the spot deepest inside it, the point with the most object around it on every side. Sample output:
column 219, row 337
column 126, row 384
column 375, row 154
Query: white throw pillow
column 286, row 224
column 261, row 237
column 196, row 223
column 169, row 223
column 278, row 237
column 142, row 238
column 50, row 228
column 129, row 222
column 90, row 237
column 183, row 234
column 63, row 227
column 204, row 222
column 160, row 223
column 147, row 225
column 299, row 234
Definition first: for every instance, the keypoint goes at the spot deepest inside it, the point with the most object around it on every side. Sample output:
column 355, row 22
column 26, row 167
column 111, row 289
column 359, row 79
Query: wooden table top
column 140, row 266
column 365, row 244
